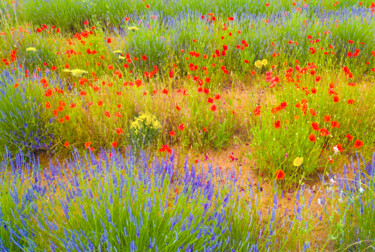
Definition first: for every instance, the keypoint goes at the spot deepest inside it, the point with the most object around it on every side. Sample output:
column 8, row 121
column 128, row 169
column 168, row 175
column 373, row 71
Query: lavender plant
column 22, row 126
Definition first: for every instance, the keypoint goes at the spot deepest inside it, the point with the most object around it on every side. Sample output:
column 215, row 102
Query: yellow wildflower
column 298, row 161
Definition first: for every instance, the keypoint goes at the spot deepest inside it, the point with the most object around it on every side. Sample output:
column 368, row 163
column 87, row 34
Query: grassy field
column 271, row 103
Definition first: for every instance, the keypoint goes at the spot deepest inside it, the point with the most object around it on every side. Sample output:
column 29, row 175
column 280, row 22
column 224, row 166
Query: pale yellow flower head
column 31, row 49
column 258, row 64
column 298, row 161
column 133, row 28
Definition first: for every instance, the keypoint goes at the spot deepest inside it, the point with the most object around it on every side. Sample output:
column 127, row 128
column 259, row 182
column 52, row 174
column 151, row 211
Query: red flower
column 181, row 127
column 100, row 103
column 165, row 91
column 277, row 124
column 172, row 133
column 358, row 144
column 48, row 93
column 210, row 100
column 114, row 144
column 315, row 126
column 335, row 124
column 109, row 40
column 280, row 175
column 324, row 132
column 257, row 111
column 82, row 93
column 66, row 144
column 336, row 99
column 178, row 108
column 327, row 118
column 350, row 137
column 339, row 147
column 87, row 144
column 119, row 131
column 350, row 101
column 107, row 114
column 312, row 137
column 48, row 105
column 144, row 57
column 213, row 107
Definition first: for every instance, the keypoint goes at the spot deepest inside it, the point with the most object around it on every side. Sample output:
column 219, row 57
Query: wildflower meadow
column 211, row 125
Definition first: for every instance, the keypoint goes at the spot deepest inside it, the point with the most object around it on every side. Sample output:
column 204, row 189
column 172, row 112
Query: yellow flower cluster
column 260, row 63
column 146, row 119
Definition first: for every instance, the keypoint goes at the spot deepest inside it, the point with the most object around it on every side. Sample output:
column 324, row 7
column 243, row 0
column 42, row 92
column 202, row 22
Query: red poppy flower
column 277, row 124
column 358, row 144
column 66, row 144
column 213, row 107
column 114, row 144
column 119, row 131
column 339, row 147
column 336, row 99
column 257, row 111
column 324, row 132
column 350, row 137
column 48, row 105
column 87, row 144
column 327, row 118
column 107, row 114
column 315, row 126
column 350, row 101
column 210, row 100
column 48, row 93
column 312, row 137
column 172, row 133
column 165, row 91
column 181, row 127
column 335, row 124
column 280, row 175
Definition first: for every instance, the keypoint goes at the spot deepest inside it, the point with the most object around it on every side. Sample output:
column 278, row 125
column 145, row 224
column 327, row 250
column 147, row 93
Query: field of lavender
column 222, row 125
